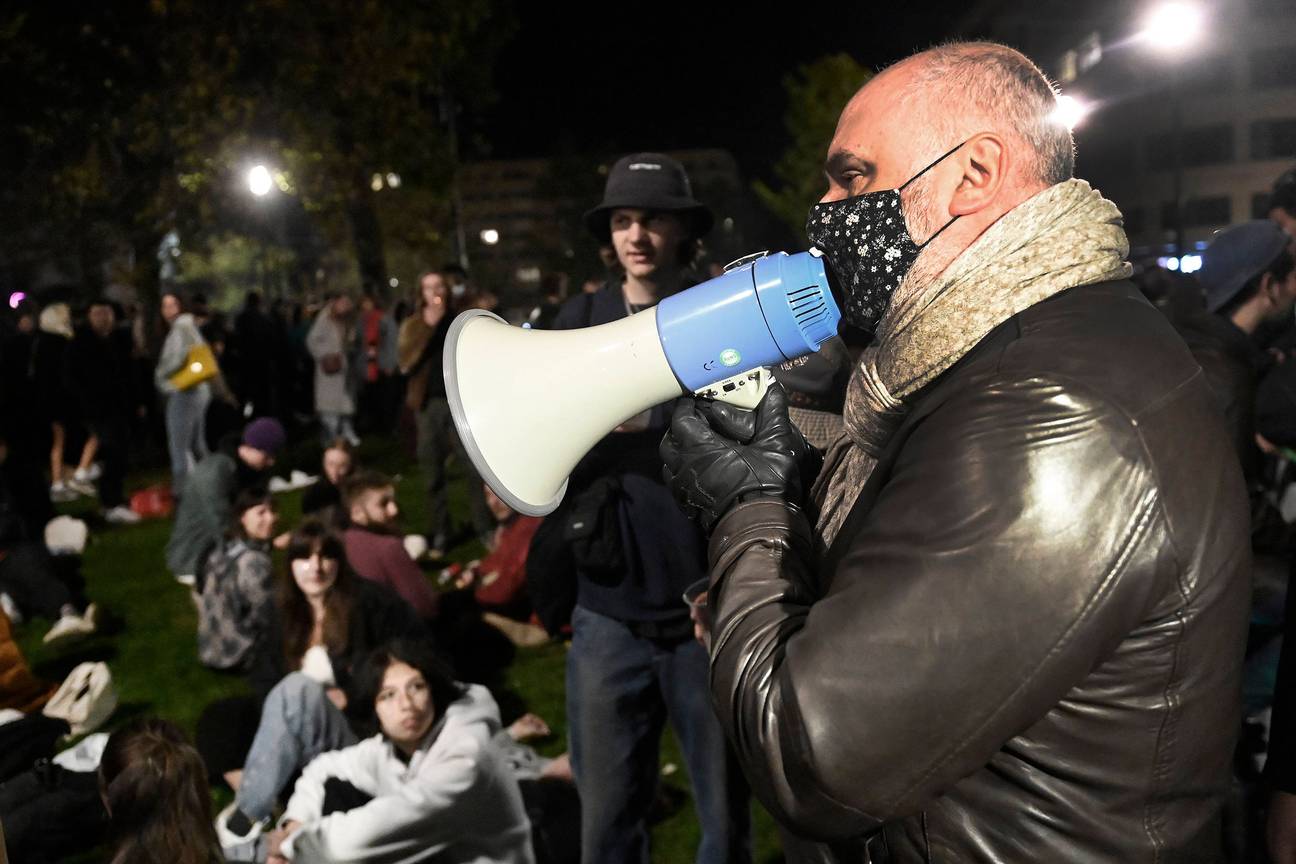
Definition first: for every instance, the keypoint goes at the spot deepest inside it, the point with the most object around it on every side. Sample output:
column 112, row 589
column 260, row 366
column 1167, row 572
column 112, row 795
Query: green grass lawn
column 149, row 641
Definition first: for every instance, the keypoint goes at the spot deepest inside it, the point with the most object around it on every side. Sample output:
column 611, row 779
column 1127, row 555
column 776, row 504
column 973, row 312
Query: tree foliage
column 816, row 94
column 142, row 116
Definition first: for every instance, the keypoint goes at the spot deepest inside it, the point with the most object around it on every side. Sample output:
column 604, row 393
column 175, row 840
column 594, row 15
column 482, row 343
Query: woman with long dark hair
column 155, row 790
column 327, row 621
column 431, row 784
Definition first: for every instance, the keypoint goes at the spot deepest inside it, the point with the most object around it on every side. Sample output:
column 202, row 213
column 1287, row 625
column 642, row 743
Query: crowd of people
column 971, row 583
column 367, row 645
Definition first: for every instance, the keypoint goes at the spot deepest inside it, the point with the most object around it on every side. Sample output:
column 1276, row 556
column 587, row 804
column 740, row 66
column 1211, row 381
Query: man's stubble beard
column 923, row 222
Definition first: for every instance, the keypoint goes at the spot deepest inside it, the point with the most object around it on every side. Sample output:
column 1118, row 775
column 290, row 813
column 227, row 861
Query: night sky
column 646, row 76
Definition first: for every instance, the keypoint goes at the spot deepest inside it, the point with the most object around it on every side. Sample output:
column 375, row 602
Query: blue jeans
column 298, row 722
column 185, row 414
column 334, row 425
column 621, row 689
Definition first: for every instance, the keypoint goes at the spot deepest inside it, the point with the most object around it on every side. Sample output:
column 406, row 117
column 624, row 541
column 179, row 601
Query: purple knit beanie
column 265, row 434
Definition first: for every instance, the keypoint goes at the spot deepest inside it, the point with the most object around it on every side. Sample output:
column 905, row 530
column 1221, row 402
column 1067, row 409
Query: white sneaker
column 188, row 580
column 122, row 515
column 11, row 610
column 61, row 493
column 234, row 846
column 67, row 628
column 81, row 487
column 88, row 475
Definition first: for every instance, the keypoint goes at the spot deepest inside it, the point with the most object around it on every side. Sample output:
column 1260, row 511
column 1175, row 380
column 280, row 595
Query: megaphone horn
column 529, row 404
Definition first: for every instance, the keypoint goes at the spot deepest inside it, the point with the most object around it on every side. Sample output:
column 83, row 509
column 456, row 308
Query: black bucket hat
column 1237, row 255
column 649, row 181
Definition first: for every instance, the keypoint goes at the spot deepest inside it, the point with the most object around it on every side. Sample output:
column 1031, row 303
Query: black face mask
column 868, row 246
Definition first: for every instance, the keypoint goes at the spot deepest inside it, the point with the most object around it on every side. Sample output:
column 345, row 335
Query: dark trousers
column 36, row 580
column 114, row 452
column 621, row 690
column 50, row 813
column 225, row 731
column 437, row 440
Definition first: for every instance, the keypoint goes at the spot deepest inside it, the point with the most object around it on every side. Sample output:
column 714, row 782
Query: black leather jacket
column 1026, row 644
column 1233, row 365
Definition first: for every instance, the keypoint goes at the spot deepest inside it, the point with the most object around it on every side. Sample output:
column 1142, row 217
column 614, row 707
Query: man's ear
column 1269, row 288
column 984, row 162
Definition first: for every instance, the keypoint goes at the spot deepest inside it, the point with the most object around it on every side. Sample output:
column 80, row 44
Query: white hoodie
column 456, row 799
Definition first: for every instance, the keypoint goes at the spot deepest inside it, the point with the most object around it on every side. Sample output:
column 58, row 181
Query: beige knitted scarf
column 1066, row 236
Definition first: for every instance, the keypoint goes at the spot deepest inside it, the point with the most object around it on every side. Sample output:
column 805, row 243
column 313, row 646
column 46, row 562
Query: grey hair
column 1002, row 86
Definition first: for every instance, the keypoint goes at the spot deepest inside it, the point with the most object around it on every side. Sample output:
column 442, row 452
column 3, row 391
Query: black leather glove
column 716, row 454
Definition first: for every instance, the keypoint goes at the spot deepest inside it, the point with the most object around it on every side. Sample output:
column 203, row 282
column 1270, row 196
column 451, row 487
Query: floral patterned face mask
column 868, row 246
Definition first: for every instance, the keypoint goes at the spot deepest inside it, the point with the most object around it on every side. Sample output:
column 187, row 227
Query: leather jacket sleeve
column 991, row 574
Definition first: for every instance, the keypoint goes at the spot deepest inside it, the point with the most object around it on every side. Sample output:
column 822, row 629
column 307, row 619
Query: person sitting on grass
column 155, row 791
column 431, row 784
column 327, row 622
column 375, row 547
column 499, row 581
column 235, row 591
column 323, row 500
column 209, row 492
column 31, row 581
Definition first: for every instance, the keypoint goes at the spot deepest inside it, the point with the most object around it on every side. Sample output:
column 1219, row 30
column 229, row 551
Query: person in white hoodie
column 185, row 409
column 433, row 783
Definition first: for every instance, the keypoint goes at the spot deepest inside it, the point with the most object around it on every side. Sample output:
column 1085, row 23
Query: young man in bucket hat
column 633, row 663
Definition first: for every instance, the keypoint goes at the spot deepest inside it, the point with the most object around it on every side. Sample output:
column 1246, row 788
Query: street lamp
column 490, row 236
column 259, row 181
column 1169, row 29
column 1172, row 27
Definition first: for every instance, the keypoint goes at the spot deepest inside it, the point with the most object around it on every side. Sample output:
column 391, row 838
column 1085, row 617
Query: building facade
column 1233, row 89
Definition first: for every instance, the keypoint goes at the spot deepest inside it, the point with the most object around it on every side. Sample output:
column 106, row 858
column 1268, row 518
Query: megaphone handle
column 744, row 390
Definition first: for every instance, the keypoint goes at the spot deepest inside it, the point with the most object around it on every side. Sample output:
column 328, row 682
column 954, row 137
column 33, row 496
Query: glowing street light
column 1070, row 111
column 1172, row 27
column 259, row 181
column 1169, row 29
column 489, row 236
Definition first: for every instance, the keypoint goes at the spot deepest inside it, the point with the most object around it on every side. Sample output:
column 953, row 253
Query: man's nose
column 637, row 231
column 834, row 193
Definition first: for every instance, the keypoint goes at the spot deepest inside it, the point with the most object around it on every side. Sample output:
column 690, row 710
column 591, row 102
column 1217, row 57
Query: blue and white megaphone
column 529, row 404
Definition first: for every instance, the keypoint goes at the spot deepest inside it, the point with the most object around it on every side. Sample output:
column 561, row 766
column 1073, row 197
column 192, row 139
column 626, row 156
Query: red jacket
column 508, row 561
